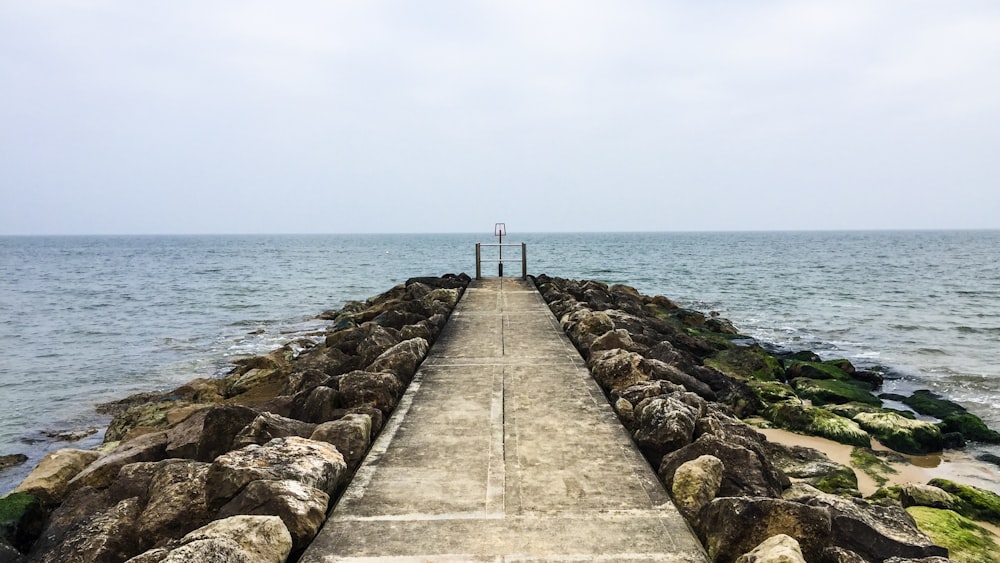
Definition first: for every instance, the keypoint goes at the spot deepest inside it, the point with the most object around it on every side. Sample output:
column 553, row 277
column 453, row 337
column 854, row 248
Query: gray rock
column 300, row 507
column 238, row 539
column 661, row 370
column 314, row 464
column 351, row 436
column 184, row 438
column 915, row 494
column 876, row 532
column 107, row 535
column 379, row 390
column 316, row 405
column 222, row 424
column 664, row 424
column 618, row 338
column 840, row 555
column 176, row 502
column 732, row 526
column 50, row 478
column 780, row 548
column 402, row 359
column 695, row 484
column 748, row 472
column 377, row 341
column 617, row 369
column 100, row 474
column 268, row 426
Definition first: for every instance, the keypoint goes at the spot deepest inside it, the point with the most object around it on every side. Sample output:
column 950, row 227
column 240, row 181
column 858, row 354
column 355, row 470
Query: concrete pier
column 504, row 449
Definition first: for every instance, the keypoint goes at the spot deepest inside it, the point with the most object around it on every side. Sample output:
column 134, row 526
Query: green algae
column 972, row 502
column 826, row 391
column 966, row 541
column 816, row 421
column 771, row 392
column 929, row 403
column 873, row 465
column 748, row 363
column 971, row 427
column 815, row 370
column 902, row 434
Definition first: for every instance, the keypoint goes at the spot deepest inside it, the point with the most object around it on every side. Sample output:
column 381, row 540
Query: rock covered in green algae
column 966, row 541
column 902, row 434
column 748, row 363
column 817, row 421
column 972, row 502
column 21, row 519
column 826, row 391
column 833, row 369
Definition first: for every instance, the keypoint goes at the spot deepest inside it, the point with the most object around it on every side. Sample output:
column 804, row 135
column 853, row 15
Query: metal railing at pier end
column 500, row 260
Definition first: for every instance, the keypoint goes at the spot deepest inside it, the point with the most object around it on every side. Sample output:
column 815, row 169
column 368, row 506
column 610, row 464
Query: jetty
column 504, row 448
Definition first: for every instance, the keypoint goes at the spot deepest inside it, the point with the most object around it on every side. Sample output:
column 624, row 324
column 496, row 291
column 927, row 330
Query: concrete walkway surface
column 504, row 449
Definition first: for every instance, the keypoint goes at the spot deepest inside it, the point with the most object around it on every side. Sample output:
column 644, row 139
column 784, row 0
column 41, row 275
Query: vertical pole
column 524, row 261
column 500, row 234
column 479, row 271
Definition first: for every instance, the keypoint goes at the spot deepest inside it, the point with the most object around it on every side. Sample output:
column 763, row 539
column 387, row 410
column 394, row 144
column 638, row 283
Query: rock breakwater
column 240, row 468
column 686, row 384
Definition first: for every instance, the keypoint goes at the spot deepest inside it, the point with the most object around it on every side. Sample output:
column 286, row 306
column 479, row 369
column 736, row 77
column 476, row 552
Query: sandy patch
column 954, row 465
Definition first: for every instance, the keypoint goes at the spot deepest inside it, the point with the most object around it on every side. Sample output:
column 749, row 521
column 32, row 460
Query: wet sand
column 954, row 465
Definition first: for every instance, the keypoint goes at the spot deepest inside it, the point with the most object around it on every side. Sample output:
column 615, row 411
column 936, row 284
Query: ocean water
column 92, row 318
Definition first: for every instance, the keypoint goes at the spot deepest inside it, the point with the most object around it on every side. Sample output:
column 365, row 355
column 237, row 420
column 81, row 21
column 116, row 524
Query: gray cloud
column 122, row 117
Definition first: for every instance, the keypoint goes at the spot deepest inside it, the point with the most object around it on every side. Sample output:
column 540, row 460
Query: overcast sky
column 312, row 117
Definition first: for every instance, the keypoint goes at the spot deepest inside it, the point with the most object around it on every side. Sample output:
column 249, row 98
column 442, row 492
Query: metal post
column 501, row 254
column 524, row 261
column 479, row 270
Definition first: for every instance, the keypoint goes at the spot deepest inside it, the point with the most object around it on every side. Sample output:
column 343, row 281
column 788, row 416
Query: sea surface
column 86, row 319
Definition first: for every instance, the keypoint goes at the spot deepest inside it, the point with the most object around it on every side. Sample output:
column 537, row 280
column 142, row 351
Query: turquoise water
column 89, row 319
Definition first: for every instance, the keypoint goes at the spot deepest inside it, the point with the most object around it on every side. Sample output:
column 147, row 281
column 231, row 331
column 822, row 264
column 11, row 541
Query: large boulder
column 316, row 405
column 237, row 539
column 100, row 474
column 402, row 359
column 827, row 391
column 176, row 502
column 781, row 548
column 661, row 370
column 50, row 478
column 351, row 435
column 222, row 424
column 22, row 518
column 665, row 424
column 617, row 369
column 817, row 421
column 695, row 484
column 300, row 507
column 732, row 526
column 584, row 326
column 108, row 534
column 380, row 390
column 902, row 434
column 815, row 468
column 971, row 502
column 873, row 531
column 748, row 363
column 377, row 340
column 618, row 338
column 747, row 471
column 268, row 426
column 183, row 439
column 314, row 464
